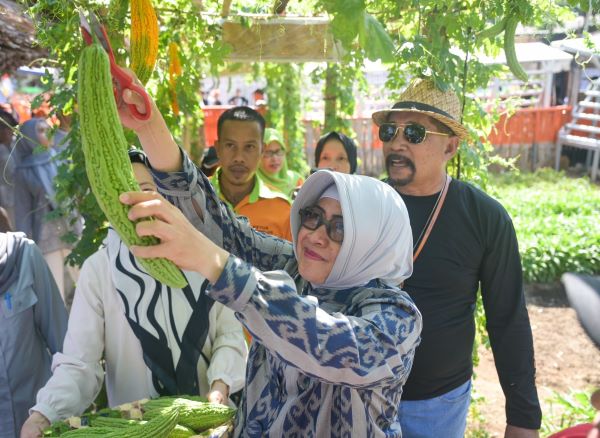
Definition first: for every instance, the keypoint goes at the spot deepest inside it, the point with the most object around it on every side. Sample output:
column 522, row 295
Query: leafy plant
column 285, row 110
column 566, row 411
column 556, row 220
column 476, row 421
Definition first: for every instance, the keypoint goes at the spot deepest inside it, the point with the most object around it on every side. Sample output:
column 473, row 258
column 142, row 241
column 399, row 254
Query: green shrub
column 557, row 219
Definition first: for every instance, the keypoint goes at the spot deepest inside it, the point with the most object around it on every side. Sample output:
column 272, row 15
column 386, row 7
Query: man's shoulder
column 472, row 194
column 477, row 204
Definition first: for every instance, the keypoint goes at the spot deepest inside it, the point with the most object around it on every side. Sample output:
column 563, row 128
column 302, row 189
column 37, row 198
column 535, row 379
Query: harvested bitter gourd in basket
column 196, row 415
column 210, row 420
column 106, row 159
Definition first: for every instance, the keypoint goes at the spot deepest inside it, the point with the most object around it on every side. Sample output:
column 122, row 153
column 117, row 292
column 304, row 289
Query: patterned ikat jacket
column 323, row 363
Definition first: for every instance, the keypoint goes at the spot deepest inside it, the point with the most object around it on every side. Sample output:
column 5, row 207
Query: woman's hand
column 129, row 97
column 180, row 242
column 219, row 392
column 34, row 426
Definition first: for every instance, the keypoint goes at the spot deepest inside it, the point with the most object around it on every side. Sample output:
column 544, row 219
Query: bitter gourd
column 144, row 39
column 509, row 49
column 160, row 426
column 178, row 431
column 492, row 31
column 106, row 160
column 174, row 73
column 88, row 431
column 198, row 416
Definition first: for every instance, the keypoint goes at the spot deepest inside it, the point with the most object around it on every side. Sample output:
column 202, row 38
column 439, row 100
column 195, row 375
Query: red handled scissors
column 121, row 80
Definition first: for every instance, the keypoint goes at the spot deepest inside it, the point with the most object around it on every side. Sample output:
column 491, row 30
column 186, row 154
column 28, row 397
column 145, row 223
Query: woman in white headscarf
column 333, row 337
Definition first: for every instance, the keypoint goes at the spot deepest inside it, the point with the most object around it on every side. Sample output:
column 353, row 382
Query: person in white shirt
column 155, row 340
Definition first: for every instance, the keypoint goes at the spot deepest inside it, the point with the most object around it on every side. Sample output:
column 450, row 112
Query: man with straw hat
column 463, row 240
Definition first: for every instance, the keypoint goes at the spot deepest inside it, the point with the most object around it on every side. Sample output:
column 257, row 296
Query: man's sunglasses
column 313, row 217
column 414, row 133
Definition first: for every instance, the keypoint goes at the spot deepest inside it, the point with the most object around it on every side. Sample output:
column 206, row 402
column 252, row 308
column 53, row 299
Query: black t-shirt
column 473, row 241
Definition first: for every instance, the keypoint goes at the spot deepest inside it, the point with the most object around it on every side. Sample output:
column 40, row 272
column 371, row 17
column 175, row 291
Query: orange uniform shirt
column 267, row 209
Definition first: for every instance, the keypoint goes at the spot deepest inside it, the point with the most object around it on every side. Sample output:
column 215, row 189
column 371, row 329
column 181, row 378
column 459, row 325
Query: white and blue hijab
column 375, row 246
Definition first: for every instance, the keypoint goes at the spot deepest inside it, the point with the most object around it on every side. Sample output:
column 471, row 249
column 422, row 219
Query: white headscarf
column 377, row 234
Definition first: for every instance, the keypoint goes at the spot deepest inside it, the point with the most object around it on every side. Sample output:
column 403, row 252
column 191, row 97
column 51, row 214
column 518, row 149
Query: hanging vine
column 285, row 110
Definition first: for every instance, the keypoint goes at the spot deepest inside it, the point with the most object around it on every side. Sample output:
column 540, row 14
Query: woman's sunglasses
column 414, row 133
column 312, row 218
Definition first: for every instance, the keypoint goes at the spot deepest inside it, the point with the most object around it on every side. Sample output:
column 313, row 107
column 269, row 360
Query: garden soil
column 566, row 359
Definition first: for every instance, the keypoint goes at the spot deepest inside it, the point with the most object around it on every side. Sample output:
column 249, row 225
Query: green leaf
column 374, row 39
column 345, row 28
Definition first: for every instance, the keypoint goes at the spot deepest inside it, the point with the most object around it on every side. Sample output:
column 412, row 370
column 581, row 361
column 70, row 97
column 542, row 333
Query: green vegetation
column 566, row 411
column 556, row 219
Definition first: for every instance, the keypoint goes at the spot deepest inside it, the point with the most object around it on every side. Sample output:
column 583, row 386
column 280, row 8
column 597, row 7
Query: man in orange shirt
column 240, row 132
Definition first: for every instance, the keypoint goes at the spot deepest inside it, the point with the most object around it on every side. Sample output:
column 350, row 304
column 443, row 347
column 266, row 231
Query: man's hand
column 34, row 426
column 219, row 392
column 519, row 432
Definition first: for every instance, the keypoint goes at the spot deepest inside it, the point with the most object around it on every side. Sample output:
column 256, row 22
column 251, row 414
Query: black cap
column 209, row 158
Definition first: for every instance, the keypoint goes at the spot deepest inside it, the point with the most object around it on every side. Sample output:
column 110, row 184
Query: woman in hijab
column 337, row 152
column 273, row 167
column 333, row 337
column 36, row 168
column 33, row 322
column 155, row 340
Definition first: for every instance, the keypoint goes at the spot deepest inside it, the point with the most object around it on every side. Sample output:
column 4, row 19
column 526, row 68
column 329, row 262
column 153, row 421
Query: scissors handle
column 121, row 80
column 126, row 82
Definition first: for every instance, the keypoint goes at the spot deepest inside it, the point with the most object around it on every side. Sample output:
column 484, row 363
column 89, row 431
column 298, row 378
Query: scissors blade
column 84, row 23
column 98, row 31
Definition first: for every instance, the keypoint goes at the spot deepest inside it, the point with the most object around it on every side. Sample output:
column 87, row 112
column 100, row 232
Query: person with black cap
column 210, row 161
column 463, row 241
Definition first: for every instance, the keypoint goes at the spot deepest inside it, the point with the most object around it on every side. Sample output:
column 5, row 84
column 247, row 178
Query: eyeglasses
column 313, row 217
column 414, row 133
column 271, row 154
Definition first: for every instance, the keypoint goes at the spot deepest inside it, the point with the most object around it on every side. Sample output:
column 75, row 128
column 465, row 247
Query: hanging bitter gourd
column 509, row 49
column 492, row 31
column 174, row 73
column 144, row 39
column 106, row 160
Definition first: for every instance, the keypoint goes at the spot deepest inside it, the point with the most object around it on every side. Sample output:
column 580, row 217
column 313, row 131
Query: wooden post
column 226, row 8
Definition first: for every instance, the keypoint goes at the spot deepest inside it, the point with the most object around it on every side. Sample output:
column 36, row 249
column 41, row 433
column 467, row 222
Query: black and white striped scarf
column 171, row 324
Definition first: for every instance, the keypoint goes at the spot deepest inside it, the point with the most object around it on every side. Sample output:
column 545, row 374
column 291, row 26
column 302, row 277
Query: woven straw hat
column 422, row 96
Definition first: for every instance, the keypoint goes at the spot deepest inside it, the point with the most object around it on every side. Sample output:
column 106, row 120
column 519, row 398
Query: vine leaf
column 345, row 28
column 374, row 39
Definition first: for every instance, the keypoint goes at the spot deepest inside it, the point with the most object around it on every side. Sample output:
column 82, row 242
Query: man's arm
column 508, row 325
